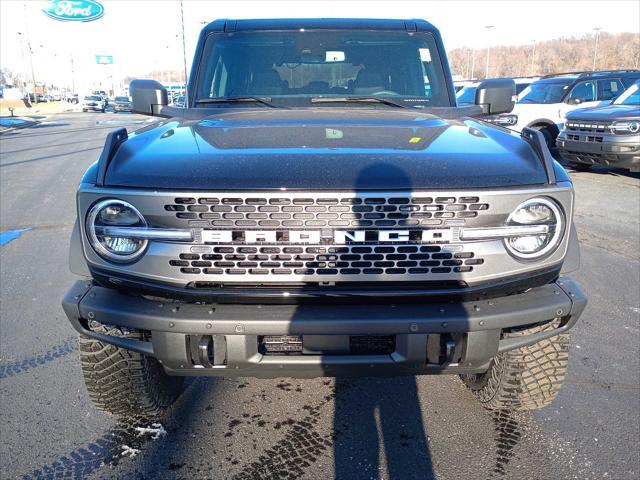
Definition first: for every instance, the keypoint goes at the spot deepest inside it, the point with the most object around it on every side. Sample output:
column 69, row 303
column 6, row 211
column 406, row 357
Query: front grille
column 322, row 260
column 587, row 126
column 305, row 212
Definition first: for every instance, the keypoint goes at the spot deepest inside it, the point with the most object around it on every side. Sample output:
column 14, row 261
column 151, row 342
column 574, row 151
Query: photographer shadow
column 379, row 432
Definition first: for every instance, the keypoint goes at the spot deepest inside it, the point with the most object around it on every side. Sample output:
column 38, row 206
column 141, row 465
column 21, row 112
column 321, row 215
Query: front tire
column 549, row 134
column 527, row 378
column 122, row 382
column 581, row 167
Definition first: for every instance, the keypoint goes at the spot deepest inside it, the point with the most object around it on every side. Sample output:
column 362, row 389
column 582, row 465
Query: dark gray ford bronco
column 322, row 207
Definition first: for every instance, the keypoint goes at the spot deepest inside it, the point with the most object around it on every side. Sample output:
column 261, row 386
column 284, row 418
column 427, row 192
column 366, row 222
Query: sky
column 146, row 35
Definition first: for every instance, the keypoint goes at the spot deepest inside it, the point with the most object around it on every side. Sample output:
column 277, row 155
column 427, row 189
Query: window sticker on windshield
column 335, row 56
column 425, row 54
column 332, row 133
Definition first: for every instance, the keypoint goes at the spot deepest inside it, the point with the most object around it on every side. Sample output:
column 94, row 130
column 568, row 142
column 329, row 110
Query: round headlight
column 115, row 248
column 536, row 211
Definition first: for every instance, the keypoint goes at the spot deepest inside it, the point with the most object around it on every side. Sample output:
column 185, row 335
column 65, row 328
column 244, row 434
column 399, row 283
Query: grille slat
column 347, row 260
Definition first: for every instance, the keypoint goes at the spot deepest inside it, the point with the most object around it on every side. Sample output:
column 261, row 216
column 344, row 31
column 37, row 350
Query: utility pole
column 33, row 75
column 184, row 56
column 595, row 48
column 533, row 58
column 473, row 64
column 486, row 71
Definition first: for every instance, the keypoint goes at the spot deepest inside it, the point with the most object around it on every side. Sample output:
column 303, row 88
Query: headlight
column 536, row 211
column 626, row 126
column 507, row 120
column 115, row 213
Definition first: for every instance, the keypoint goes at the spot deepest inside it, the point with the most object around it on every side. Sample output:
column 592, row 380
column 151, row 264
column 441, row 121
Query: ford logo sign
column 74, row 10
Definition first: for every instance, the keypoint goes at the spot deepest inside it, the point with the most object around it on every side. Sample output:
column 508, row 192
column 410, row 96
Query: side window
column 585, row 91
column 608, row 89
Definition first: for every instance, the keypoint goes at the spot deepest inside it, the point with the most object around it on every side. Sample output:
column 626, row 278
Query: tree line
column 614, row 51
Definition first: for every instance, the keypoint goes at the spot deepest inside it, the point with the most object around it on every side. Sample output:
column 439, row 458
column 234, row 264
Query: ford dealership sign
column 74, row 10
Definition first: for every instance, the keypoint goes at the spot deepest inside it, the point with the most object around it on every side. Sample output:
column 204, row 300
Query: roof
column 229, row 25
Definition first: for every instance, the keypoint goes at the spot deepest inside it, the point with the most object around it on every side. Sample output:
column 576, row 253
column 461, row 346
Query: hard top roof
column 229, row 25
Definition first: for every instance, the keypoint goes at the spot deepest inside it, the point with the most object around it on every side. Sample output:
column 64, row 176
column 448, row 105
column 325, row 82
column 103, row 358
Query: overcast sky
column 144, row 35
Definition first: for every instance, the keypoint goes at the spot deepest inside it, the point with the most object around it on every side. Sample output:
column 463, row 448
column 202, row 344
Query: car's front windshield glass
column 630, row 97
column 466, row 95
column 122, row 99
column 293, row 67
column 545, row 92
column 93, row 97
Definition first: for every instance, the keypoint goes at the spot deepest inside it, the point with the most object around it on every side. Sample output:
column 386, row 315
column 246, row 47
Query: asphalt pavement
column 366, row 428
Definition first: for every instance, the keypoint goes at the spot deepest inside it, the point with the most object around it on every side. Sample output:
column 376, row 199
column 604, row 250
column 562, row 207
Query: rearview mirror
column 574, row 101
column 148, row 97
column 496, row 96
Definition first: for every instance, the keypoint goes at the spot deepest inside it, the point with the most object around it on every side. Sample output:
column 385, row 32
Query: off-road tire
column 526, row 378
column 122, row 382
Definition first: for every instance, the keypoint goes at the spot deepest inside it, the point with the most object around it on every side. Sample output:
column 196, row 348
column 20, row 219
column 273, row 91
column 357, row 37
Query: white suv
column 543, row 104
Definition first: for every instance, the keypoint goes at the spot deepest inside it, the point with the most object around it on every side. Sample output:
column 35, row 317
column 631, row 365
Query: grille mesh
column 303, row 212
column 322, row 260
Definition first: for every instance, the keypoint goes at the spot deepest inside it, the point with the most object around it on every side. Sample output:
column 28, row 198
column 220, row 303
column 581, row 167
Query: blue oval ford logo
column 74, row 10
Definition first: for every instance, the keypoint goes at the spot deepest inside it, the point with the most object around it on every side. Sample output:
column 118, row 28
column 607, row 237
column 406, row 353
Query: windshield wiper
column 263, row 100
column 358, row 99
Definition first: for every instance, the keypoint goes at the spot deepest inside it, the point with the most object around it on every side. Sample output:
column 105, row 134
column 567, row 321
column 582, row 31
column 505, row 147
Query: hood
column 323, row 149
column 607, row 113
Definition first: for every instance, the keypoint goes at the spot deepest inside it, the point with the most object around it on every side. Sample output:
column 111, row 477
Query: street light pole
column 486, row 71
column 595, row 49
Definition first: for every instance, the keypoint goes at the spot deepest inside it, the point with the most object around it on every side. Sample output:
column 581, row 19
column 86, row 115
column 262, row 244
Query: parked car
column 544, row 104
column 179, row 101
column 607, row 135
column 94, row 103
column 467, row 94
column 121, row 104
column 323, row 221
column 71, row 98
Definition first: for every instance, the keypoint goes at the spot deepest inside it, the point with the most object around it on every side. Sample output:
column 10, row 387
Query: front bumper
column 611, row 152
column 441, row 337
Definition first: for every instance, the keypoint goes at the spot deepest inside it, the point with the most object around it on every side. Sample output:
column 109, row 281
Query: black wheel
column 102, row 110
column 580, row 167
column 527, row 378
column 122, row 382
column 84, row 109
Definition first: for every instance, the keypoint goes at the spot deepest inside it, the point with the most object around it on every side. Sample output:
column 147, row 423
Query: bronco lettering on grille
column 335, row 237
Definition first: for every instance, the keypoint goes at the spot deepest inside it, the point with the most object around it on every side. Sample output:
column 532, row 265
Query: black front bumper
column 471, row 331
column 610, row 154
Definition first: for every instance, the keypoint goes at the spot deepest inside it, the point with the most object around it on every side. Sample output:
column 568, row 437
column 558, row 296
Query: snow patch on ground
column 127, row 451
column 156, row 430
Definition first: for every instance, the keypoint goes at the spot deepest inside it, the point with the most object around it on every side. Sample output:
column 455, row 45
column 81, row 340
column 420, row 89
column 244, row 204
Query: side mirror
column 496, row 96
column 148, row 97
column 574, row 101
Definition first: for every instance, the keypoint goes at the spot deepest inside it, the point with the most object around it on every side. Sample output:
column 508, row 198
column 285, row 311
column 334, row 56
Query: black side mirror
column 496, row 96
column 148, row 97
column 574, row 101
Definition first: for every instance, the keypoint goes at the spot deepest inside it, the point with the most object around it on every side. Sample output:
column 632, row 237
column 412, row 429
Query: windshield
column 545, row 92
column 94, row 98
column 631, row 96
column 466, row 95
column 122, row 99
column 295, row 66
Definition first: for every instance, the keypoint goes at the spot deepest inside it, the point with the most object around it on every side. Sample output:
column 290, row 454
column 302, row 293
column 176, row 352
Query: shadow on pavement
column 380, row 420
column 47, row 157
